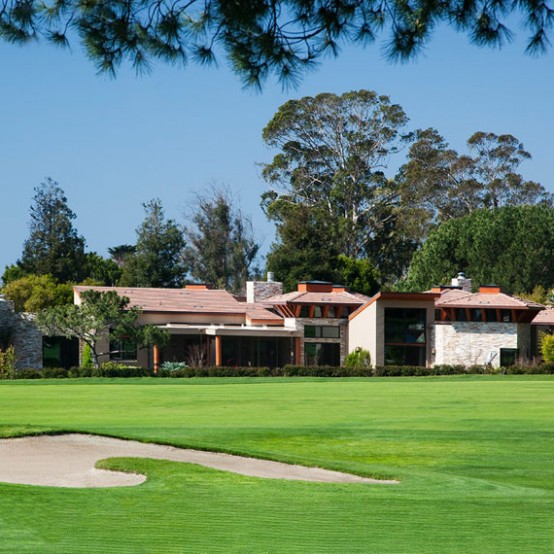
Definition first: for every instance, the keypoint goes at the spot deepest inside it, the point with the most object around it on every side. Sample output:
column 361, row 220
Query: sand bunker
column 68, row 461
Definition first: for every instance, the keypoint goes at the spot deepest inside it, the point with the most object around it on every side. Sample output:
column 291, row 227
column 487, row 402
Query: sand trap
column 68, row 461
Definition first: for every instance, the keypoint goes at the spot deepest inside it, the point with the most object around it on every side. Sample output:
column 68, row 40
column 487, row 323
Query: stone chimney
column 256, row 291
column 462, row 281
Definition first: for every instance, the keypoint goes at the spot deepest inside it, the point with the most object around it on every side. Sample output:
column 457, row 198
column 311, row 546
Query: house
column 205, row 325
column 447, row 325
column 267, row 328
column 318, row 324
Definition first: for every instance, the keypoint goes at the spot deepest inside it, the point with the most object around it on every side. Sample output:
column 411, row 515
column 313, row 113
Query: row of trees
column 217, row 248
column 356, row 197
column 343, row 212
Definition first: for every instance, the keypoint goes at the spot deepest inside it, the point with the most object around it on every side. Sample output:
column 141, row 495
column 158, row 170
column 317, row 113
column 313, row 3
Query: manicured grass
column 475, row 456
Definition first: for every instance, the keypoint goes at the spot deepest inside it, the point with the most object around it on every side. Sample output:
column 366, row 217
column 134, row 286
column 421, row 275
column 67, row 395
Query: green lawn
column 474, row 454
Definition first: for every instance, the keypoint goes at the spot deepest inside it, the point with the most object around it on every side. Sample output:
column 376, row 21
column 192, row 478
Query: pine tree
column 54, row 247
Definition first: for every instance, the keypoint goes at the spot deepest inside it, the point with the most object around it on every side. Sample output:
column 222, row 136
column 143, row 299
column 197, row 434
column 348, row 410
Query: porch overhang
column 230, row 330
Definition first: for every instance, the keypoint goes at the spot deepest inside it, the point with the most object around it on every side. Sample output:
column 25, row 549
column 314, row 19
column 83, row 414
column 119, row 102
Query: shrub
column 116, row 369
column 7, row 363
column 547, row 348
column 358, row 358
column 173, row 366
column 86, row 362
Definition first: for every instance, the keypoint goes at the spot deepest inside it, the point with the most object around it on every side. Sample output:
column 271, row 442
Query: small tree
column 99, row 312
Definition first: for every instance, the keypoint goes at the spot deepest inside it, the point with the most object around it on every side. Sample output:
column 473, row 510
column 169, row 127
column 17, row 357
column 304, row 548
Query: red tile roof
column 187, row 301
column 296, row 297
column 544, row 317
column 457, row 298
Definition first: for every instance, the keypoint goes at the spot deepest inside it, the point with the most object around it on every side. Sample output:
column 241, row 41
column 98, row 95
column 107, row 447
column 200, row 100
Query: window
column 318, row 311
column 404, row 325
column 490, row 315
column 316, row 353
column 304, row 311
column 506, row 316
column 476, row 314
column 321, row 332
column 123, row 350
column 405, row 342
column 508, row 357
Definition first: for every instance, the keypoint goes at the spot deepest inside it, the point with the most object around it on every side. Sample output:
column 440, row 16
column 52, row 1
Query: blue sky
column 113, row 144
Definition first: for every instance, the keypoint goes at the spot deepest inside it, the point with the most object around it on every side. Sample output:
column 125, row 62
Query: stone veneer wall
column 27, row 339
column 470, row 343
column 260, row 290
column 324, row 322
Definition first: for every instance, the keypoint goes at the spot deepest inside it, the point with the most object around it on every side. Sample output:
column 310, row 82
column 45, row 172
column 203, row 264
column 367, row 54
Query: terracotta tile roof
column 186, row 301
column 544, row 317
column 456, row 298
column 296, row 297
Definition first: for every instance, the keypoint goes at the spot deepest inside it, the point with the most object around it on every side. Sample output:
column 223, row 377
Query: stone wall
column 26, row 338
column 469, row 343
column 324, row 322
column 260, row 290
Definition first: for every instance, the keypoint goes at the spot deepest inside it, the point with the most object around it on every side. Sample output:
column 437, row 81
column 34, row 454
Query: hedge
column 118, row 370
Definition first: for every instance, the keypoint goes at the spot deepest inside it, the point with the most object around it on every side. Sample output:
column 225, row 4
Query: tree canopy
column 33, row 293
column 281, row 37
column 157, row 260
column 333, row 154
column 512, row 246
column 221, row 247
column 446, row 184
column 54, row 247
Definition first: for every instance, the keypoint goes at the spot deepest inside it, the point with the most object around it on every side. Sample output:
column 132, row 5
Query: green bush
column 358, row 358
column 7, row 363
column 547, row 348
column 86, row 361
column 116, row 369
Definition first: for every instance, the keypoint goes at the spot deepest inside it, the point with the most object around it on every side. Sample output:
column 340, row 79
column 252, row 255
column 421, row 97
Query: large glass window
column 316, row 353
column 405, row 342
column 321, row 332
column 123, row 350
column 404, row 325
column 404, row 355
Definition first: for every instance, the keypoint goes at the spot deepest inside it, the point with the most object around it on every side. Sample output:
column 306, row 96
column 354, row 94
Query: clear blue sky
column 113, row 144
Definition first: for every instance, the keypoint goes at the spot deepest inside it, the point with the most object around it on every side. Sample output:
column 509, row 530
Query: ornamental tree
column 100, row 313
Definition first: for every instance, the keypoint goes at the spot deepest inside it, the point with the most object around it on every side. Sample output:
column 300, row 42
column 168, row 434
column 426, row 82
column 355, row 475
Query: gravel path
column 68, row 461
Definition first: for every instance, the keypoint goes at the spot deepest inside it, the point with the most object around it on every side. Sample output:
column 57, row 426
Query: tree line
column 356, row 196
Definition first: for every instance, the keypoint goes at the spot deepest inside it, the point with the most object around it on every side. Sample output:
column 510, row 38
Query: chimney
column 197, row 286
column 256, row 291
column 490, row 289
column 461, row 281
